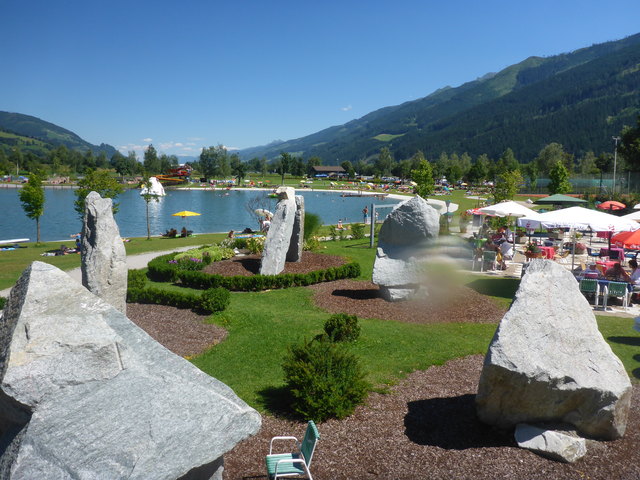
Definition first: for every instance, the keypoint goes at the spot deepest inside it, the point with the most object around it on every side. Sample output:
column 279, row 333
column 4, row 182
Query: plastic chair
column 489, row 256
column 296, row 463
column 617, row 289
column 590, row 286
column 591, row 253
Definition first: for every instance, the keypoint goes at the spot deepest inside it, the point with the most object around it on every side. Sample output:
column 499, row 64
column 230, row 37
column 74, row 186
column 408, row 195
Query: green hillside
column 37, row 136
column 578, row 99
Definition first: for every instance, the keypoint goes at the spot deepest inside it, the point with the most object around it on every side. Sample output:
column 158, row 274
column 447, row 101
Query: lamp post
column 615, row 162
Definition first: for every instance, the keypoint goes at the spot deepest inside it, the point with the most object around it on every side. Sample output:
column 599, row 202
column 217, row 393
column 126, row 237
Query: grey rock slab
column 276, row 245
column 548, row 362
column 404, row 237
column 554, row 444
column 104, row 258
column 87, row 394
column 294, row 254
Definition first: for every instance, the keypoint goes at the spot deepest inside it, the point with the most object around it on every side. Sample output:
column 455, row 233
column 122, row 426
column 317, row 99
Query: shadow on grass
column 496, row 287
column 633, row 341
column 277, row 401
column 451, row 423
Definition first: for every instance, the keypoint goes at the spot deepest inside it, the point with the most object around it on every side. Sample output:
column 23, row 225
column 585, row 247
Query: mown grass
column 262, row 325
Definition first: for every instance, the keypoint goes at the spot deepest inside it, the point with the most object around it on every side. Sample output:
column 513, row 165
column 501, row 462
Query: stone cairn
column 87, row 394
column 405, row 234
column 548, row 365
column 285, row 236
column 104, row 259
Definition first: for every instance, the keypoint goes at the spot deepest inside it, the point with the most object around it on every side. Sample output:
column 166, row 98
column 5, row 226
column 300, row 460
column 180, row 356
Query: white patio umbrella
column 632, row 216
column 579, row 218
column 441, row 205
column 507, row 209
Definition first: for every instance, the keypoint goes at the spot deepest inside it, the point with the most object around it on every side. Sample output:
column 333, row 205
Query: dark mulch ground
column 425, row 428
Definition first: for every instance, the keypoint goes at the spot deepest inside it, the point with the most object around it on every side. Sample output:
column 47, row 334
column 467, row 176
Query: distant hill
column 579, row 99
column 38, row 136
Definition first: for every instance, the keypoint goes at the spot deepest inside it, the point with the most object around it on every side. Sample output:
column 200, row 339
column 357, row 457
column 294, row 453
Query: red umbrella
column 627, row 240
column 611, row 205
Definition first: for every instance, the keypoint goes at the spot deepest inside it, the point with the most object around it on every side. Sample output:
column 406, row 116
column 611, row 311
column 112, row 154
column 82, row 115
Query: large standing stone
column 404, row 236
column 276, row 245
column 297, row 235
column 548, row 362
column 104, row 259
column 87, row 394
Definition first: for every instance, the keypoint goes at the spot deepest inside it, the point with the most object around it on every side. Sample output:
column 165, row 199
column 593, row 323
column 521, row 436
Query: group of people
column 501, row 243
column 617, row 273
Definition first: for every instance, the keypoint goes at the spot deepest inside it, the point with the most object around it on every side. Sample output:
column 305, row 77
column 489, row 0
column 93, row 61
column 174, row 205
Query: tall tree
column 148, row 197
column 32, row 199
column 284, row 164
column 99, row 181
column 423, row 177
column 151, row 161
column 507, row 185
column 559, row 179
column 384, row 162
column 348, row 167
column 630, row 146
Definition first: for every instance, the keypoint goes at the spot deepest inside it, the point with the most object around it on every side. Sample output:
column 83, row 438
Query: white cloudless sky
column 187, row 74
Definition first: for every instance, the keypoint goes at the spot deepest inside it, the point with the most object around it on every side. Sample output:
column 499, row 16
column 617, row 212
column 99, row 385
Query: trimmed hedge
column 209, row 301
column 160, row 270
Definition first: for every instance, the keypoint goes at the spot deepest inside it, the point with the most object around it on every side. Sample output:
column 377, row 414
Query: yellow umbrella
column 185, row 213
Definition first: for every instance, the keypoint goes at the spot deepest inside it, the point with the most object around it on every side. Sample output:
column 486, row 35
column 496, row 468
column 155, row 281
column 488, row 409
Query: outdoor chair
column 590, row 287
column 591, row 253
column 489, row 257
column 617, row 289
column 296, row 463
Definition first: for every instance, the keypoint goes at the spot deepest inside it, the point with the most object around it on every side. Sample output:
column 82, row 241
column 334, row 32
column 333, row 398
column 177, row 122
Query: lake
column 220, row 211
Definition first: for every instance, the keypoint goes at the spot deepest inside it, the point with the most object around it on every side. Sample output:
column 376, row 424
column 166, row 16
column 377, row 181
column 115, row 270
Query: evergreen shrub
column 342, row 327
column 136, row 279
column 215, row 299
column 324, row 380
column 357, row 231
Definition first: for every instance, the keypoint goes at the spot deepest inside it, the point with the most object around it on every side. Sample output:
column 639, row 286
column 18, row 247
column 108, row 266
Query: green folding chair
column 590, row 286
column 296, row 463
column 617, row 289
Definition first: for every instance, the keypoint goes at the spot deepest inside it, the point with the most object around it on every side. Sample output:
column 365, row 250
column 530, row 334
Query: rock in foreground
column 548, row 361
column 87, row 394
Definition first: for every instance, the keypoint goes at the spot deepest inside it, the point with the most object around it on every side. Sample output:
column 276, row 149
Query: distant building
column 333, row 171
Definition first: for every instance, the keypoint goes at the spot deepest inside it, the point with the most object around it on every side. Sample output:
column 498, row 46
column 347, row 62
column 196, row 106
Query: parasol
column 185, row 213
column 611, row 205
column 263, row 212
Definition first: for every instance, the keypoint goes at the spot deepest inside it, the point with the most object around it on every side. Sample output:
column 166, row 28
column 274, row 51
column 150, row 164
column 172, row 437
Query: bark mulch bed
column 425, row 427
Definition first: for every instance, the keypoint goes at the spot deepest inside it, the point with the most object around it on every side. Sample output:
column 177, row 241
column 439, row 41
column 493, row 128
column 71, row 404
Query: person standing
column 365, row 213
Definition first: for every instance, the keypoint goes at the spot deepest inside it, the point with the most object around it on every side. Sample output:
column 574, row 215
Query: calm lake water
column 220, row 211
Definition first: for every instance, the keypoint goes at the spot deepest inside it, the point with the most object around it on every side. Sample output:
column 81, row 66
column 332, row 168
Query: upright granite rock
column 548, row 362
column 87, row 394
column 276, row 245
column 104, row 259
column 297, row 235
column 404, row 236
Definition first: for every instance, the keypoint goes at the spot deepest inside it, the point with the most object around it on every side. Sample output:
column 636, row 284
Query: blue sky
column 193, row 73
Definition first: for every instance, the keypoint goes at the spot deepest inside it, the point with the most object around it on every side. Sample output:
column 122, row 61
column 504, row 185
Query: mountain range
column 578, row 99
column 38, row 136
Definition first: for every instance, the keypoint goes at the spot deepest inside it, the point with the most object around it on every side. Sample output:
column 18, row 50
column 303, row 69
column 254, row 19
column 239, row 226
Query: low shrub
column 324, row 380
column 215, row 299
column 312, row 224
column 3, row 302
column 136, row 279
column 255, row 245
column 342, row 327
column 333, row 232
column 214, row 252
column 357, row 231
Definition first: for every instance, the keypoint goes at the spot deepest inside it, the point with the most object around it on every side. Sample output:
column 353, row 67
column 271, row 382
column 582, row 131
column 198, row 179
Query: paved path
column 133, row 262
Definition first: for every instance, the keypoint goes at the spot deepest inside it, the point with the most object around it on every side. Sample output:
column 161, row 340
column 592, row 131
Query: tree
column 284, row 164
column 479, row 170
column 549, row 156
column 151, row 161
column 148, row 197
column 214, row 162
column 587, row 164
column 240, row 171
column 423, row 176
column 384, row 162
column 99, row 181
column 559, row 179
column 507, row 162
column 507, row 185
column 630, row 146
column 32, row 199
column 348, row 167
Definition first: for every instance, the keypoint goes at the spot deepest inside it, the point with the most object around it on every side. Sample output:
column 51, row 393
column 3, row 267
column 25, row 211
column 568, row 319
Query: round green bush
column 342, row 327
column 312, row 224
column 324, row 380
column 215, row 299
